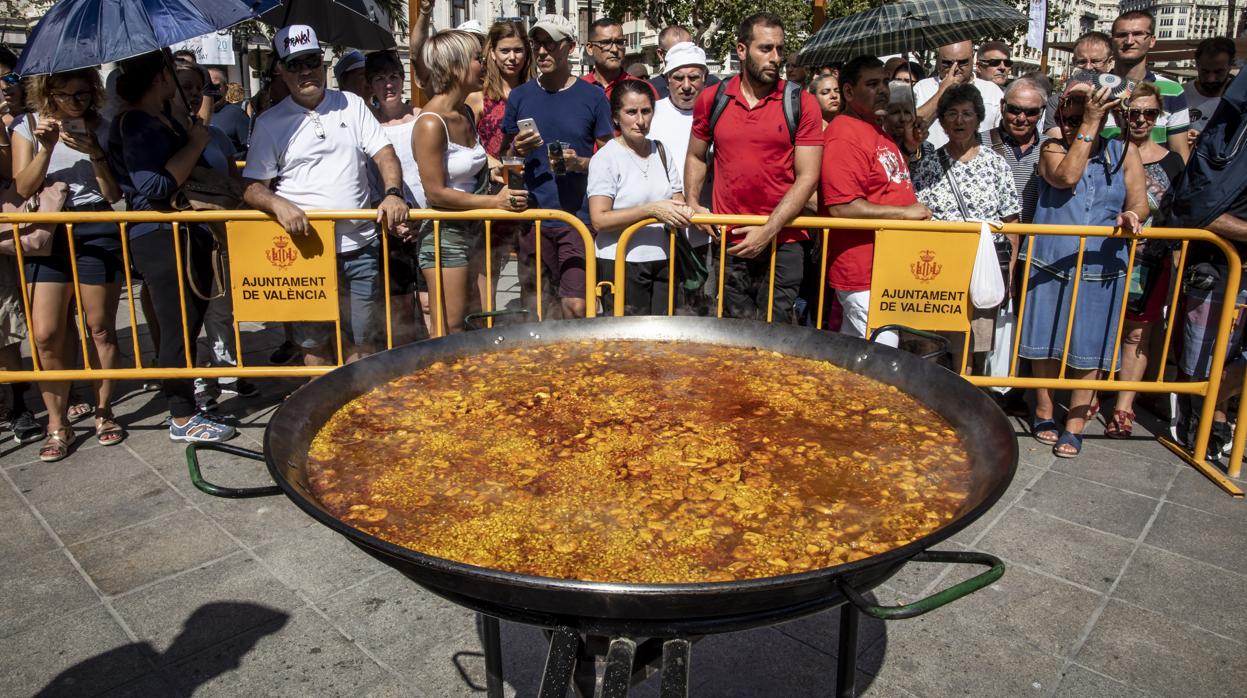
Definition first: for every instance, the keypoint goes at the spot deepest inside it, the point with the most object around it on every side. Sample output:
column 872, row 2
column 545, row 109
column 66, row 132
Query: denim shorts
column 359, row 301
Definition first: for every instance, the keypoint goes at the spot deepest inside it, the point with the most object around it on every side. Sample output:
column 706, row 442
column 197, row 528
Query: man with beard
column 1134, row 35
column 1213, row 58
column 606, row 48
column 668, row 38
column 573, row 116
column 316, row 144
column 763, row 166
column 864, row 176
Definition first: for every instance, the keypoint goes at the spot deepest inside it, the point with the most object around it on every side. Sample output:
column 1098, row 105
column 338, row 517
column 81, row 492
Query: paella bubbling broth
column 647, row 462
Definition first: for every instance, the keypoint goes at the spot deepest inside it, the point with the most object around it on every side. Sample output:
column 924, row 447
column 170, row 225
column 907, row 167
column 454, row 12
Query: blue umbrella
column 82, row 33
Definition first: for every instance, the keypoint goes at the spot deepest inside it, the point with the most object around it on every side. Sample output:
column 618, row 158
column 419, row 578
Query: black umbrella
column 357, row 23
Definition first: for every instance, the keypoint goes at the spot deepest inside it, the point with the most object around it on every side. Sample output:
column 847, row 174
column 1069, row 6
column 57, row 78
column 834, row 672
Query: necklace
column 637, row 159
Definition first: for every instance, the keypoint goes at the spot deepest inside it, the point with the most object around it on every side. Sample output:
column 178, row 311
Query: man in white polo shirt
column 310, row 152
column 954, row 68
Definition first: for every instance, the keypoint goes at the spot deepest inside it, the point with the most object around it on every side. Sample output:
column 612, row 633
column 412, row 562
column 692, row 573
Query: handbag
column 36, row 237
column 987, row 285
column 693, row 267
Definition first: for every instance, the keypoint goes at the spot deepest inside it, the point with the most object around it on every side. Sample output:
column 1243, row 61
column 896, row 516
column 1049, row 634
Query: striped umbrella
column 909, row 25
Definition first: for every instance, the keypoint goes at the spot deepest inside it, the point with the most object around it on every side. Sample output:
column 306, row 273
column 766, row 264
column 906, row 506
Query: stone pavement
column 1125, row 569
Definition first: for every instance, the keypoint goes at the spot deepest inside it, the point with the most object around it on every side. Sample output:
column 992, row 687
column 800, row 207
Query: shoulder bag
column 36, row 238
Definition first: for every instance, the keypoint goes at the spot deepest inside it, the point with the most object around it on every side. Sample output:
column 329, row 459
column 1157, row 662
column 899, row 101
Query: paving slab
column 1089, row 503
column 95, row 493
column 317, row 561
column 40, row 586
column 1147, row 651
column 1067, row 550
column 1023, row 479
column 1190, row 488
column 21, row 534
column 254, row 521
column 1186, row 591
column 1217, row 540
column 145, row 553
column 80, row 654
column 1148, row 476
column 207, row 605
column 1081, row 682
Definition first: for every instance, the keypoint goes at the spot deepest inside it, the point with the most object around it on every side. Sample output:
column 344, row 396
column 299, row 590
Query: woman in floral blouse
column 983, row 191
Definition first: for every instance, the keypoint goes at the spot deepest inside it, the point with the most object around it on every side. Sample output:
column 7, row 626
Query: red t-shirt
column 592, row 79
column 860, row 161
column 753, row 152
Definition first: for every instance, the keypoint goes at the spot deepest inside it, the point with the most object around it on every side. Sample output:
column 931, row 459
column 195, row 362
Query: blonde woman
column 60, row 142
column 454, row 173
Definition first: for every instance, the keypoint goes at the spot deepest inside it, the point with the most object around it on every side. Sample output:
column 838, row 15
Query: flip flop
column 1045, row 425
column 1068, row 439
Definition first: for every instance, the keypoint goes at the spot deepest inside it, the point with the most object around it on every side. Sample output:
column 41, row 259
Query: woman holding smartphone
column 61, row 143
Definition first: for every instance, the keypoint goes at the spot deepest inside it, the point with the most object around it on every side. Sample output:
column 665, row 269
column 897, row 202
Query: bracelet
column 1089, row 139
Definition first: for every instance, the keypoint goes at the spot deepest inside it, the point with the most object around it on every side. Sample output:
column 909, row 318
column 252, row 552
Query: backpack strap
column 792, row 109
column 718, row 105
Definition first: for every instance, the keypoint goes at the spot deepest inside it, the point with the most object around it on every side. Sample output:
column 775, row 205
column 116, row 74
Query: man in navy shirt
column 230, row 118
column 567, row 111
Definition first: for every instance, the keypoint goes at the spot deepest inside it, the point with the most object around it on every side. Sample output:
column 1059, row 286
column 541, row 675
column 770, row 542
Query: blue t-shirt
column 235, row 123
column 576, row 115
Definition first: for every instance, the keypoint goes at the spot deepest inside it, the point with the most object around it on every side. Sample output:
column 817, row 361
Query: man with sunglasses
column 315, row 145
column 606, row 48
column 1018, row 139
column 994, row 63
column 953, row 68
column 1133, row 37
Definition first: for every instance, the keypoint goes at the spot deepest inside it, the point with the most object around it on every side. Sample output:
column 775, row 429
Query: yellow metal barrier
column 124, row 219
column 1206, row 388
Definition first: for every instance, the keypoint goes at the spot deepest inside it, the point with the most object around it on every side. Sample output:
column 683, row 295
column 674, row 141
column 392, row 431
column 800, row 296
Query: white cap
column 684, row 54
column 557, row 26
column 472, row 26
column 294, row 41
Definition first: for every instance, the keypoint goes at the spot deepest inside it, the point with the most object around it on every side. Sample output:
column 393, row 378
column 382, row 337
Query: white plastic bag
column 987, row 286
column 998, row 359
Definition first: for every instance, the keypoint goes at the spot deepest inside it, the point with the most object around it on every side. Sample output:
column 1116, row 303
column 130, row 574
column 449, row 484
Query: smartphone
column 529, row 125
column 76, row 127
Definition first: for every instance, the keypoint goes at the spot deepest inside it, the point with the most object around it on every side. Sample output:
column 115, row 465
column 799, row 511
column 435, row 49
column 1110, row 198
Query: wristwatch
column 394, row 191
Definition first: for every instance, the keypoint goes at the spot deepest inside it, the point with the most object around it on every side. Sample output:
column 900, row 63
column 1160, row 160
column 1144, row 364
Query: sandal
column 1120, row 426
column 78, row 410
column 1070, row 439
column 57, row 447
column 107, row 431
column 1045, row 426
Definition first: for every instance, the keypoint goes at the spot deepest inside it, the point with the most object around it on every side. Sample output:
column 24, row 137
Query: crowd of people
column 508, row 125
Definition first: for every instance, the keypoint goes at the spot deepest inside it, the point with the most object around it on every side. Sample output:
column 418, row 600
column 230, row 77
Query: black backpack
column 791, row 101
column 1216, row 174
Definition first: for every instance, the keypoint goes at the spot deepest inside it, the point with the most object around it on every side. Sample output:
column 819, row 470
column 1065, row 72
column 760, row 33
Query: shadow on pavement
column 207, row 626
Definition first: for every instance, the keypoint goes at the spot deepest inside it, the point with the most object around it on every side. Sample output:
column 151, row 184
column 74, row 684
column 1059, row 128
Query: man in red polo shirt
column 864, row 176
column 606, row 48
column 761, row 168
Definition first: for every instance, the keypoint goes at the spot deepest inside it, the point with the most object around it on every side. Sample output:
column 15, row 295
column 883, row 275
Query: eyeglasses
column 1030, row 112
column 316, row 124
column 1135, row 36
column 76, row 97
column 10, row 78
column 996, row 62
column 1134, row 115
column 949, row 64
column 299, row 65
column 1096, row 63
column 609, row 43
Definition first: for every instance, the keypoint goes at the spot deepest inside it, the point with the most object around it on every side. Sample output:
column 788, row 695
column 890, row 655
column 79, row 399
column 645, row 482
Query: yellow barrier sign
column 278, row 277
column 922, row 280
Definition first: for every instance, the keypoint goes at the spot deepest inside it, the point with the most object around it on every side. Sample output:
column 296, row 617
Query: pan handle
column 939, row 598
column 197, row 478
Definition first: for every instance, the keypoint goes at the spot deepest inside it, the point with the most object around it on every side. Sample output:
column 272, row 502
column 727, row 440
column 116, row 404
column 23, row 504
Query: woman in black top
column 153, row 156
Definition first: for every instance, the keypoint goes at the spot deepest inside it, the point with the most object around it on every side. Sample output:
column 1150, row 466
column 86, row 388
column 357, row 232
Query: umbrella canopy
column 360, row 24
column 909, row 25
column 83, row 33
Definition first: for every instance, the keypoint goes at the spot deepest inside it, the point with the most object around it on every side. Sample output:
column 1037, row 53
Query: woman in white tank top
column 453, row 170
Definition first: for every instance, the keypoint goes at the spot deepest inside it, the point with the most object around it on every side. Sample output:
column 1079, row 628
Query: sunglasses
column 81, row 96
column 1030, row 112
column 1073, row 121
column 306, row 63
column 1133, row 115
column 949, row 64
column 10, row 78
column 317, row 126
column 996, row 62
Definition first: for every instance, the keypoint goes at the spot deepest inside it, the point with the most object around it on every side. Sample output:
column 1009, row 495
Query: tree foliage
column 713, row 23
